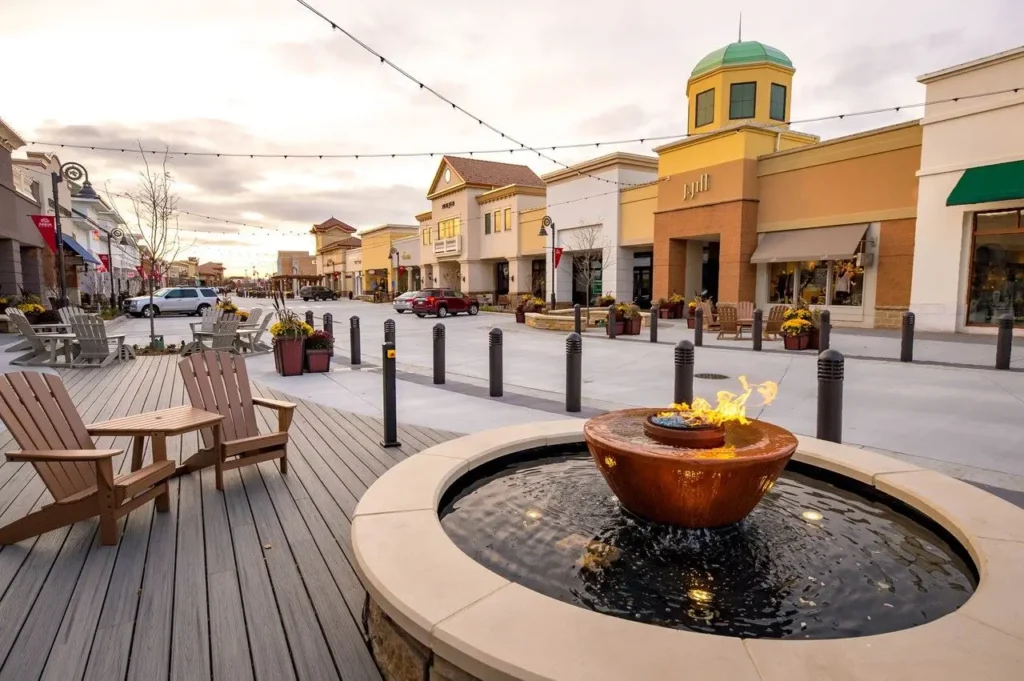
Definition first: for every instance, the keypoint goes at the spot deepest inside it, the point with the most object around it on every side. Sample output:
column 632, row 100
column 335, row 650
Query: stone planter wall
column 889, row 317
column 400, row 657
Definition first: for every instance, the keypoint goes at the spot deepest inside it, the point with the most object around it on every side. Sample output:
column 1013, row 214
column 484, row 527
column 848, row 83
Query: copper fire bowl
column 689, row 487
column 701, row 437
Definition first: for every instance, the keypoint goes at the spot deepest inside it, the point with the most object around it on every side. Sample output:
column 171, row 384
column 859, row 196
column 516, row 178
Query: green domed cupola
column 743, row 53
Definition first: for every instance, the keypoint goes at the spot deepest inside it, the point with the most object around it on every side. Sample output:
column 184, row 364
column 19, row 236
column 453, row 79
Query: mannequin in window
column 844, row 280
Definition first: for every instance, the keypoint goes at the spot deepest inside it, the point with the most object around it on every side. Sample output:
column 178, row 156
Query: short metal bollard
column 329, row 329
column 309, row 317
column 824, row 330
column 438, row 353
column 389, row 330
column 576, row 318
column 353, row 340
column 390, row 397
column 573, row 372
column 1004, row 342
column 698, row 327
column 654, row 324
column 907, row 338
column 494, row 339
column 757, row 332
column 611, row 321
column 683, row 393
column 830, row 396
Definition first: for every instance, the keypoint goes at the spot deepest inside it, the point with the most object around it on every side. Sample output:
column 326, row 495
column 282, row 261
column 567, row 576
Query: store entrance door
column 709, row 272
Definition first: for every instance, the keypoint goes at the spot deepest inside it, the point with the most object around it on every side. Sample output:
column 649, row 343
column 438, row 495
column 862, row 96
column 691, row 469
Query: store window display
column 817, row 282
column 997, row 268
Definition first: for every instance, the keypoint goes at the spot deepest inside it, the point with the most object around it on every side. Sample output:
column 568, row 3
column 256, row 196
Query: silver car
column 178, row 300
column 404, row 302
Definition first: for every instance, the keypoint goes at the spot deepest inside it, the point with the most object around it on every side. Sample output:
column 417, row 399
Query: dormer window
column 777, row 111
column 705, row 108
column 742, row 100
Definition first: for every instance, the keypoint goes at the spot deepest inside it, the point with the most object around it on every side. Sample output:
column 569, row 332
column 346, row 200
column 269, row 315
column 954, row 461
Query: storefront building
column 969, row 256
column 333, row 239
column 379, row 261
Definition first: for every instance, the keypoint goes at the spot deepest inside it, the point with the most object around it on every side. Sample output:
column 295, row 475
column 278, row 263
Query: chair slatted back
column 38, row 411
column 209, row 318
column 26, row 330
column 224, row 333
column 218, row 382
column 776, row 315
column 709, row 315
column 70, row 312
column 727, row 318
column 254, row 316
column 263, row 329
column 91, row 334
column 745, row 310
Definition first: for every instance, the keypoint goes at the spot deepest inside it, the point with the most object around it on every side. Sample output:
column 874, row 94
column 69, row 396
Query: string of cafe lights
column 510, row 150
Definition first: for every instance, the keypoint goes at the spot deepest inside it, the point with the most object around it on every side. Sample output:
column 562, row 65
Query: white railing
column 449, row 246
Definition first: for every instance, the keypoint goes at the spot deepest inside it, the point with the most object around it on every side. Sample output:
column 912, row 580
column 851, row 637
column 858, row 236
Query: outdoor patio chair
column 745, row 310
column 710, row 319
column 66, row 313
column 206, row 322
column 96, row 349
column 728, row 322
column 37, row 353
column 251, row 343
column 255, row 314
column 218, row 382
column 225, row 335
column 773, row 325
column 38, row 411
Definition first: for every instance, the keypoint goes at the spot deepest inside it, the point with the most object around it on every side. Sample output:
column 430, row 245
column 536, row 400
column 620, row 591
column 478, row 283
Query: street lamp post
column 544, row 224
column 74, row 172
column 119, row 234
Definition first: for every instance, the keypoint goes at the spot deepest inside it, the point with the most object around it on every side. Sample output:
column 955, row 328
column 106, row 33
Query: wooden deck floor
column 252, row 583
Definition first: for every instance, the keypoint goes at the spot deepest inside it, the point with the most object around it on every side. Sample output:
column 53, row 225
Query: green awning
column 997, row 182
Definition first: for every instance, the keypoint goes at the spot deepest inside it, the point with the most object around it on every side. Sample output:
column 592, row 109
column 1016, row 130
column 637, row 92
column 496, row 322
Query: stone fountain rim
column 495, row 629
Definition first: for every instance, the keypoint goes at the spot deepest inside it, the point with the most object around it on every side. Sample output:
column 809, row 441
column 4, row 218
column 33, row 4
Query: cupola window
column 778, row 107
column 705, row 109
column 742, row 97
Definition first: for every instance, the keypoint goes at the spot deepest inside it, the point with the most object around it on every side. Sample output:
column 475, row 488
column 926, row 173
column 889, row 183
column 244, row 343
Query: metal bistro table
column 158, row 426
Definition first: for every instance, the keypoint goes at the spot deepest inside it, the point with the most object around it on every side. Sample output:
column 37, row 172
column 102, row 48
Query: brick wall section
column 889, row 317
column 895, row 264
column 736, row 224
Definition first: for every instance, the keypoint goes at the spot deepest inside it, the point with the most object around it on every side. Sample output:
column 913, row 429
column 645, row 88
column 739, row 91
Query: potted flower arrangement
column 521, row 308
column 318, row 352
column 627, row 320
column 535, row 305
column 289, row 334
column 227, row 306
column 33, row 310
column 797, row 329
column 243, row 316
column 675, row 302
column 605, row 300
column 663, row 309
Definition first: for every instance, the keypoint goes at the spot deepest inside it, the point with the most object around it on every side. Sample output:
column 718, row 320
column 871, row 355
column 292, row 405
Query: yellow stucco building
column 378, row 266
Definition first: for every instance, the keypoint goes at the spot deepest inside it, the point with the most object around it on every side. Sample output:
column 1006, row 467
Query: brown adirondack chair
column 745, row 310
column 728, row 322
column 710, row 319
column 773, row 325
column 218, row 382
column 44, row 421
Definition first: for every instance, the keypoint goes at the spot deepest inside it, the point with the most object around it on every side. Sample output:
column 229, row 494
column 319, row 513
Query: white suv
column 178, row 300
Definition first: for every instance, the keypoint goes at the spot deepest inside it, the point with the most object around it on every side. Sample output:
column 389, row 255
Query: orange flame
column 731, row 406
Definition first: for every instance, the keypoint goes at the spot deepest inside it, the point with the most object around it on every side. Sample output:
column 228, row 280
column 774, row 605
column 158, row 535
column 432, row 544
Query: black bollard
column 390, row 397
column 494, row 339
column 329, row 329
column 611, row 321
column 907, row 339
column 758, row 329
column 353, row 340
column 309, row 317
column 824, row 330
column 654, row 324
column 1004, row 342
column 576, row 317
column 830, row 396
column 683, row 393
column 698, row 327
column 389, row 330
column 438, row 353
column 573, row 372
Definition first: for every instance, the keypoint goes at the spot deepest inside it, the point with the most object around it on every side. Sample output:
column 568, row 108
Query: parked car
column 403, row 302
column 177, row 300
column 317, row 293
column 442, row 302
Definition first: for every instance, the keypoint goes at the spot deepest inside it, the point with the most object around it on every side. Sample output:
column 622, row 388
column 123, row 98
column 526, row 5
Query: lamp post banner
column 104, row 262
column 558, row 256
column 44, row 223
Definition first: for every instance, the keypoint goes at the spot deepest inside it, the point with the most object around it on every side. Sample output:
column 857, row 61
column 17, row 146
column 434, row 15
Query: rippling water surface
column 812, row 560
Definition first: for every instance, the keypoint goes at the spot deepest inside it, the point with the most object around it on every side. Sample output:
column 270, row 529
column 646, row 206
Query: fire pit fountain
column 694, row 465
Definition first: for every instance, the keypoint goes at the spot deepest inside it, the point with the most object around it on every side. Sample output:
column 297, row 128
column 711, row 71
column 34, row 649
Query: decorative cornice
column 510, row 190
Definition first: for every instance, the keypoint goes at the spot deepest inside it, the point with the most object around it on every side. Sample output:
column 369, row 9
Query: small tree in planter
column 318, row 352
column 289, row 334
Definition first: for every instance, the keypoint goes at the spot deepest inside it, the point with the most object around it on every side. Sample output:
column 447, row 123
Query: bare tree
column 452, row 277
column 587, row 269
column 155, row 208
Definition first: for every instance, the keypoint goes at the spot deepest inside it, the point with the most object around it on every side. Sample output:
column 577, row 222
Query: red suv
column 442, row 302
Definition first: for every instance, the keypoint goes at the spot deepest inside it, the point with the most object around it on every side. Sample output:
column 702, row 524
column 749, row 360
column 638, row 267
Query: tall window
column 508, row 219
column 817, row 282
column 705, row 109
column 742, row 97
column 446, row 229
column 487, row 223
column 997, row 267
column 778, row 107
column 427, row 236
column 497, row 221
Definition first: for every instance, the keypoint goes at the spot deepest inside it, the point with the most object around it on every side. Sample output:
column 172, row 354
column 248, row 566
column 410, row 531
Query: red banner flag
column 138, row 268
column 558, row 257
column 104, row 263
column 45, row 225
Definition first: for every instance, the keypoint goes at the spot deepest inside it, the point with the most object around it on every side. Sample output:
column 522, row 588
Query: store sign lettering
column 691, row 189
column 450, row 204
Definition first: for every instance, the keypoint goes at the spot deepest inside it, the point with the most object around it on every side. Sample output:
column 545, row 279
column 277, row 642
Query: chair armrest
column 193, row 325
column 62, row 454
column 273, row 404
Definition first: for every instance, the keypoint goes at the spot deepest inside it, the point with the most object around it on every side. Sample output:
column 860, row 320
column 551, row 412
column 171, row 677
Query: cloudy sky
column 268, row 76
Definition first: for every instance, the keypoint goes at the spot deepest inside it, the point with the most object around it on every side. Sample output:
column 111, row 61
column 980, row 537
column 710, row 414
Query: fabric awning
column 79, row 249
column 997, row 182
column 819, row 243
